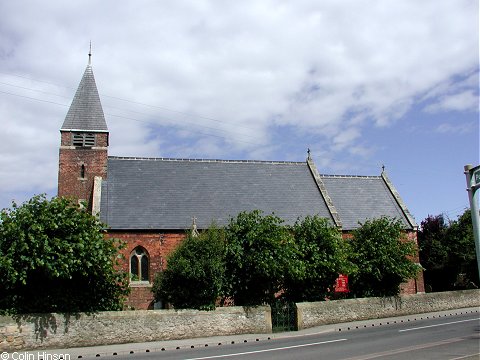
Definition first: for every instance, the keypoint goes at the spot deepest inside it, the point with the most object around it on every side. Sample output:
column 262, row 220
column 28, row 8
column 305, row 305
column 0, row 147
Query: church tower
column 84, row 143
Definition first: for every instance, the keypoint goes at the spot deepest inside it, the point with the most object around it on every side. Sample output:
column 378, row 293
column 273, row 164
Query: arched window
column 139, row 264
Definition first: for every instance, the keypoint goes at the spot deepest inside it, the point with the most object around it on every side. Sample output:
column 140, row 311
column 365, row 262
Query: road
column 439, row 337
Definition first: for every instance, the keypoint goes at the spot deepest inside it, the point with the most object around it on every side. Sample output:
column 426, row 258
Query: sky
column 363, row 84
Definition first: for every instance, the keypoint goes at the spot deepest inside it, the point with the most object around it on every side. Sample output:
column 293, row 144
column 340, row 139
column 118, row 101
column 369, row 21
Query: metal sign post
column 473, row 184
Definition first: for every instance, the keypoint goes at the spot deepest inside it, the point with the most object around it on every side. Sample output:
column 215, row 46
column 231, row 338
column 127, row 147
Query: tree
column 195, row 271
column 260, row 254
column 54, row 257
column 324, row 255
column 447, row 252
column 433, row 253
column 383, row 255
column 461, row 252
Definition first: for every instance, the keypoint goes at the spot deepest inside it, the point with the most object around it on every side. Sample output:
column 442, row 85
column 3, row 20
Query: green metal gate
column 283, row 316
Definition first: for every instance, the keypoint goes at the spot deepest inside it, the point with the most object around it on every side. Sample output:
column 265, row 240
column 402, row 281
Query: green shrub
column 54, row 257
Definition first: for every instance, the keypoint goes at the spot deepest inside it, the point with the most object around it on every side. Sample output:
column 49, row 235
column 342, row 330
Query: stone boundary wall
column 60, row 331
column 49, row 331
column 331, row 312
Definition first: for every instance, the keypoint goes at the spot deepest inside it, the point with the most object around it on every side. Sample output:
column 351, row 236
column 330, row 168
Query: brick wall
column 158, row 246
column 140, row 297
column 417, row 285
column 71, row 159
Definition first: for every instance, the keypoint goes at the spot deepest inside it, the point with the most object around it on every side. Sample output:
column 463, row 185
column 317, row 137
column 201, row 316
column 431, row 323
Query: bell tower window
column 82, row 171
column 83, row 139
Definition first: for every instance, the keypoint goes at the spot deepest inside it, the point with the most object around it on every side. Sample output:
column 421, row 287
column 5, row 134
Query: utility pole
column 473, row 184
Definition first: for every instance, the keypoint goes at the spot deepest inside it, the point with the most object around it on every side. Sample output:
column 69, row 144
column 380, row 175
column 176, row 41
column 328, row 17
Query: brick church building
column 150, row 202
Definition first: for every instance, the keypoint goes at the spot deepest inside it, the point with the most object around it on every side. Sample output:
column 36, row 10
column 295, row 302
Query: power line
column 185, row 122
column 119, row 98
column 36, row 90
column 223, row 137
column 36, row 80
column 113, row 107
column 191, row 131
column 31, row 98
column 142, row 113
column 142, row 121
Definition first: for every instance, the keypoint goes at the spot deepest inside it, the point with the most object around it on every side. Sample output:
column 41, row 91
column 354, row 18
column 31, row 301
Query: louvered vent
column 77, row 139
column 83, row 140
column 89, row 140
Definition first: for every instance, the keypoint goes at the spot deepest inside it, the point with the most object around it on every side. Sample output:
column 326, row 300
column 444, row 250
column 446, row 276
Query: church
column 150, row 203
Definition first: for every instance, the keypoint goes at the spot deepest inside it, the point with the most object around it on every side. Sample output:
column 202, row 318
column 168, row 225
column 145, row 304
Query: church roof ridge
column 351, row 176
column 207, row 160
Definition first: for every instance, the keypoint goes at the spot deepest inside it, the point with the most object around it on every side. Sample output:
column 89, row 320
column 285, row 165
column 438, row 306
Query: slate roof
column 167, row 193
column 164, row 194
column 358, row 198
column 86, row 112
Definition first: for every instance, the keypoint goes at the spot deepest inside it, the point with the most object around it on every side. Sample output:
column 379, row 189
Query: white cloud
column 219, row 78
column 345, row 138
column 464, row 101
column 446, row 128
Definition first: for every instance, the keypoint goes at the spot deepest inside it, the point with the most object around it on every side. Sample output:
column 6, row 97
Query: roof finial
column 90, row 54
column 309, row 156
column 383, row 168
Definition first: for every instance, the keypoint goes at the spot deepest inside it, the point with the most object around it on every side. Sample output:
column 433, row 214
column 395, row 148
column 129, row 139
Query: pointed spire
column 86, row 112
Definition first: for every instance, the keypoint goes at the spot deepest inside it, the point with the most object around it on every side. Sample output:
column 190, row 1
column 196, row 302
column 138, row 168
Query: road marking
column 436, row 325
column 466, row 356
column 290, row 335
column 267, row 350
column 406, row 349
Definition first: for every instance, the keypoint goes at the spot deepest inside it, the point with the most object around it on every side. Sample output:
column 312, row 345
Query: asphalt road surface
column 436, row 337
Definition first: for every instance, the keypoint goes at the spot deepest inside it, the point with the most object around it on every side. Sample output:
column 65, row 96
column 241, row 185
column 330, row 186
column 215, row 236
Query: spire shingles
column 86, row 112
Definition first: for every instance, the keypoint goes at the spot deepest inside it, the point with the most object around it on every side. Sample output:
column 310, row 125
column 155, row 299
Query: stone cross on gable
column 194, row 227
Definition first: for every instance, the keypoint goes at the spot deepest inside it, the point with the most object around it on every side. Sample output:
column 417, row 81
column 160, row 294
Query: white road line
column 404, row 350
column 288, row 335
column 465, row 357
column 436, row 325
column 267, row 350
